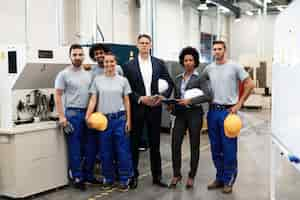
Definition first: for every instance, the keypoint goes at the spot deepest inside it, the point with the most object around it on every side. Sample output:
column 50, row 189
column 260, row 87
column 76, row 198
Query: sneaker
column 143, row 148
column 107, row 186
column 79, row 185
column 123, row 188
column 227, row 189
column 94, row 182
column 133, row 183
column 215, row 185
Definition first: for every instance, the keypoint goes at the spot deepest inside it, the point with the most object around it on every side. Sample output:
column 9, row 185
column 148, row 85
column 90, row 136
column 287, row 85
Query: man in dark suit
column 143, row 73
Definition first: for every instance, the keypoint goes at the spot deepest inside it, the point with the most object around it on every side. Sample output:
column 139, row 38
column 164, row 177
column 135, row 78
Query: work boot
column 94, row 182
column 78, row 184
column 227, row 189
column 215, row 185
column 123, row 188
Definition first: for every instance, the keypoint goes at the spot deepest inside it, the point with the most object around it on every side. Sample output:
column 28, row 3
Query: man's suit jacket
column 133, row 73
column 195, row 81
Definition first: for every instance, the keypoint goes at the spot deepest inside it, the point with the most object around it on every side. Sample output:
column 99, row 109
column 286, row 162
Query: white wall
column 41, row 25
column 209, row 24
column 168, row 27
column 134, row 21
column 224, row 32
column 246, row 42
column 87, row 20
column 12, row 15
column 191, row 31
column 118, row 20
column 175, row 28
column 70, row 18
column 209, row 21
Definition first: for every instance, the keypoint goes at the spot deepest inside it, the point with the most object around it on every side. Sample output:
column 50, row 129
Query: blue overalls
column 76, row 116
column 81, row 155
column 91, row 150
column 115, row 142
column 223, row 149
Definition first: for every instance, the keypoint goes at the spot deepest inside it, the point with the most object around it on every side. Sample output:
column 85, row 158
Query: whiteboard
column 286, row 80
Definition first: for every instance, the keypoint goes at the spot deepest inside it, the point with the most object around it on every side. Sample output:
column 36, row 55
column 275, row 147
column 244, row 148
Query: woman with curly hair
column 189, row 113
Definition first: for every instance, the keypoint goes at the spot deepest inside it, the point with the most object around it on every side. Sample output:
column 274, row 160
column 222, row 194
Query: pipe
column 26, row 23
column 235, row 9
column 255, row 3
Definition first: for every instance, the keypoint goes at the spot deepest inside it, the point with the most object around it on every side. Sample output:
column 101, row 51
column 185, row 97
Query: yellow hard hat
column 232, row 125
column 98, row 121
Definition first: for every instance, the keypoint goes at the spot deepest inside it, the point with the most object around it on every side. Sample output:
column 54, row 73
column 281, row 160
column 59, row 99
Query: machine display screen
column 48, row 54
column 12, row 62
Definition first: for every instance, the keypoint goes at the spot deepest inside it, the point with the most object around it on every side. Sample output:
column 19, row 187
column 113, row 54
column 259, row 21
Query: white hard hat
column 191, row 93
column 162, row 85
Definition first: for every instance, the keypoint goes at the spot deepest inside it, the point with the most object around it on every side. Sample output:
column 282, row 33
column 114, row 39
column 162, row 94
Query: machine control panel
column 47, row 54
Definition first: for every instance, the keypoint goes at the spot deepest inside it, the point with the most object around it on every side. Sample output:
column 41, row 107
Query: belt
column 219, row 106
column 116, row 115
column 76, row 109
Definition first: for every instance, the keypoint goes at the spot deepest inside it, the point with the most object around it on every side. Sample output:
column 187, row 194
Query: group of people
column 130, row 99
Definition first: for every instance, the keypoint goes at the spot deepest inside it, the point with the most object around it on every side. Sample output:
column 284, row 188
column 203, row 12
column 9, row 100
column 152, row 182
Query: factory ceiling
column 273, row 6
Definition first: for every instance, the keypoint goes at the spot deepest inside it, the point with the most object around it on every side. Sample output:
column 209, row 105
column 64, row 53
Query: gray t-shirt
column 96, row 70
column 110, row 92
column 75, row 85
column 224, row 81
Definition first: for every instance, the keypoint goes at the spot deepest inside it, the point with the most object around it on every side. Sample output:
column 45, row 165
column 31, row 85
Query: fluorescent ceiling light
column 259, row 2
column 202, row 7
column 237, row 19
column 269, row 1
column 250, row 13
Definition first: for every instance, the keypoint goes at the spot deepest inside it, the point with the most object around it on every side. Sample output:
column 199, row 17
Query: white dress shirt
column 146, row 70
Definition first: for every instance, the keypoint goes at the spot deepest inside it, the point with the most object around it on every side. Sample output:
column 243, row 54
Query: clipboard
column 169, row 101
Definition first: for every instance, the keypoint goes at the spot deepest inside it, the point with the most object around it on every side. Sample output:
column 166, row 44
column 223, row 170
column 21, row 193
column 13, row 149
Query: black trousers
column 190, row 119
column 151, row 118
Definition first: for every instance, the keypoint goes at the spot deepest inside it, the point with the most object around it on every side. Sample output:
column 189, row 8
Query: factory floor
column 253, row 182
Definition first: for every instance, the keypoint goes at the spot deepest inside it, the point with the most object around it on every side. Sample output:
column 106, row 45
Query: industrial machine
column 32, row 148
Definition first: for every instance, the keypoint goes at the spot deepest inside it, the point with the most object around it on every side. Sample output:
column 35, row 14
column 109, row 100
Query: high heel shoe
column 174, row 181
column 189, row 183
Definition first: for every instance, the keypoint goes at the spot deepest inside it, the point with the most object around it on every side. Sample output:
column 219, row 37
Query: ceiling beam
column 255, row 3
column 235, row 9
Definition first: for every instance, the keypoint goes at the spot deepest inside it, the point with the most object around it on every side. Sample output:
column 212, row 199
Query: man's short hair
column 74, row 46
column 219, row 42
column 95, row 47
column 144, row 36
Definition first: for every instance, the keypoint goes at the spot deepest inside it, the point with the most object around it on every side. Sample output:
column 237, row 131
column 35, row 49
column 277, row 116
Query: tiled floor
column 252, row 182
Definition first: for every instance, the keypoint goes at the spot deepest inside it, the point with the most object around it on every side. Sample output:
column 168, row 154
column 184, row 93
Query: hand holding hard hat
column 97, row 121
column 188, row 95
column 232, row 125
column 192, row 93
column 156, row 99
column 162, row 86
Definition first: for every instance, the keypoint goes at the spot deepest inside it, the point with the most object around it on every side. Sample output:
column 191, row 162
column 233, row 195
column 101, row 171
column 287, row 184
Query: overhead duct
column 255, row 3
column 235, row 9
column 138, row 3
